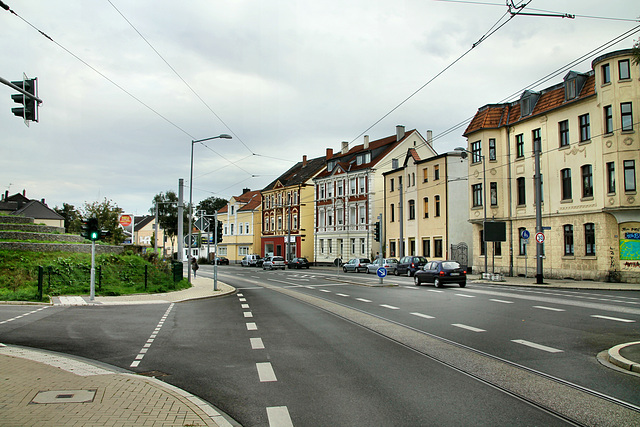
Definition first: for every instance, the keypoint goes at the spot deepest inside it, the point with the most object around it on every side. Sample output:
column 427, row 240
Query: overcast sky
column 286, row 78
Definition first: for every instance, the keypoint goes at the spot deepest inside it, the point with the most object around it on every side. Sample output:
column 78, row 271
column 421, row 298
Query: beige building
column 426, row 208
column 588, row 129
column 241, row 224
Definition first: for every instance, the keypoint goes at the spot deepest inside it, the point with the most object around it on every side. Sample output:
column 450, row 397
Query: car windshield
column 278, row 258
column 450, row 265
column 391, row 261
column 420, row 259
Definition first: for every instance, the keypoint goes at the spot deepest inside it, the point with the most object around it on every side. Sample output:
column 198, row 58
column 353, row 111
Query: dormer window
column 528, row 102
column 330, row 165
column 570, row 89
column 363, row 158
column 573, row 83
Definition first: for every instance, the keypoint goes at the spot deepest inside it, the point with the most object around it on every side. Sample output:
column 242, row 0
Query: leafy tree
column 167, row 205
column 211, row 205
column 108, row 214
column 72, row 218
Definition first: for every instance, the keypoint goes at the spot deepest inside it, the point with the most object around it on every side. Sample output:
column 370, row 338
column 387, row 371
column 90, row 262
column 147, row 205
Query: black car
column 298, row 263
column 409, row 264
column 441, row 272
column 222, row 260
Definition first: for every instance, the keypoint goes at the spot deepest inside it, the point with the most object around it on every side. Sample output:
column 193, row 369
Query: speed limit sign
column 540, row 237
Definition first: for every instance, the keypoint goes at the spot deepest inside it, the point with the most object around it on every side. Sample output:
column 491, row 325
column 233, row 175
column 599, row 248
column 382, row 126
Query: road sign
column 525, row 234
column 540, row 237
column 194, row 241
column 125, row 220
column 381, row 272
column 202, row 224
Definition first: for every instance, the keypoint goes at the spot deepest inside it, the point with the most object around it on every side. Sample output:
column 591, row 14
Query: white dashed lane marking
column 265, row 372
column 615, row 319
column 252, row 326
column 152, row 338
column 424, row 316
column 391, row 307
column 363, row 300
column 256, row 343
column 22, row 315
column 538, row 346
column 501, row 301
column 541, row 307
column 279, row 417
column 469, row 328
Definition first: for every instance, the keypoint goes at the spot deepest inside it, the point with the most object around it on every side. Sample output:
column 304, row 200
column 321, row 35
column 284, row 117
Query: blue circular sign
column 525, row 234
column 381, row 272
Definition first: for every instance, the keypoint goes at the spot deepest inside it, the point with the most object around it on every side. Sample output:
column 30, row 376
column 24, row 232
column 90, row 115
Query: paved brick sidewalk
column 46, row 389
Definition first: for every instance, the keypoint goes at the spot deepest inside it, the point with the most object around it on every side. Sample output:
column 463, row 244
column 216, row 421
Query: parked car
column 298, row 263
column 250, row 260
column 273, row 262
column 441, row 272
column 220, row 260
column 409, row 264
column 389, row 263
column 359, row 265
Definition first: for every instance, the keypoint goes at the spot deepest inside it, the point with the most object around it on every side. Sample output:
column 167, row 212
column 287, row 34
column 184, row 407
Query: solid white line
column 279, row 417
column 548, row 308
column 538, row 346
column 265, row 372
column 424, row 316
column 617, row 319
column 256, row 343
column 470, row 328
column 389, row 306
column 252, row 326
column 502, row 301
column 363, row 300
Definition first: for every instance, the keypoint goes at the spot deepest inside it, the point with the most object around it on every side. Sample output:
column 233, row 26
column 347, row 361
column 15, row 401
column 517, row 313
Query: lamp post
column 484, row 199
column 193, row 142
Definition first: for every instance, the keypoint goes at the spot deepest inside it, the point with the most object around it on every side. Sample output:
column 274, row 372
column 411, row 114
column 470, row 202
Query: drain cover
column 64, row 396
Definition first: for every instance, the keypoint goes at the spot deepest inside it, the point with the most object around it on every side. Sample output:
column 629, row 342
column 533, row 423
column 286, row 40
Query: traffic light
column 219, row 232
column 376, row 231
column 85, row 229
column 29, row 109
column 94, row 229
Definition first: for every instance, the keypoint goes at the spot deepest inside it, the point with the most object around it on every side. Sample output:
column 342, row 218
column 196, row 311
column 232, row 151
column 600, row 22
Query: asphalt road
column 308, row 347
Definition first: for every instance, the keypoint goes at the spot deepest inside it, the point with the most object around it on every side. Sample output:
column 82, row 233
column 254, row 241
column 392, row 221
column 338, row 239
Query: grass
column 69, row 274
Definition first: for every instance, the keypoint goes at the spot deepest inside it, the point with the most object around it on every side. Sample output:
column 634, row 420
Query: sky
column 127, row 86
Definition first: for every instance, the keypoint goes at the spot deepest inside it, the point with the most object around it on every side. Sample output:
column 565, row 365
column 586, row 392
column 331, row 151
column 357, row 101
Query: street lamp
column 193, row 142
column 484, row 200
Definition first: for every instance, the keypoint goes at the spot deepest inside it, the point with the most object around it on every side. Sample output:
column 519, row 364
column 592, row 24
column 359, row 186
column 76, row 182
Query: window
column 571, row 89
column 521, row 191
column 362, row 181
column 352, row 185
column 565, row 176
column 564, row 133
column 362, row 215
column 608, row 119
column 476, row 152
column 331, row 164
column 520, row 145
column 436, row 172
column 231, row 228
column 426, row 248
column 437, row 248
column 241, row 228
column 329, row 218
column 437, row 206
column 392, row 213
column 321, row 246
column 280, row 222
column 476, row 191
column 321, row 195
column 627, row 116
column 340, row 189
column 339, row 216
column 353, row 246
column 391, row 185
column 425, row 175
column 585, row 131
column 497, row 248
column 568, row 239
column 425, row 205
column 412, row 209
column 629, row 175
column 590, row 239
column 522, row 242
column 606, row 74
column 492, row 148
column 363, row 249
column 611, row 177
column 330, row 189
column 587, row 181
column 493, row 190
column 623, row 69
column 329, row 246
column 536, row 140
column 392, row 248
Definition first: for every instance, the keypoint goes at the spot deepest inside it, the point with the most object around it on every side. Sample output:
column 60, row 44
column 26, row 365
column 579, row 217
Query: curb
column 614, row 356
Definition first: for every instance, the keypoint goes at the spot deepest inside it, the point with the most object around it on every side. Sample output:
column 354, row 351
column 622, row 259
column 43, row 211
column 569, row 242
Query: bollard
column 40, row 280
column 146, row 271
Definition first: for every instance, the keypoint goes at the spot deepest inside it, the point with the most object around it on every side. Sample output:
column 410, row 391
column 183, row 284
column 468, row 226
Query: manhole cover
column 64, row 396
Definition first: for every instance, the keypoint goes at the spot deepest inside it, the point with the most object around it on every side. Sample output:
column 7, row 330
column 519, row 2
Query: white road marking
column 542, row 307
column 247, row 314
column 434, row 290
column 147, row 345
column 342, row 295
column 240, row 295
column 502, row 301
column 616, row 319
column 257, row 344
column 265, row 372
column 244, row 305
column 469, row 328
column 325, row 290
column 279, row 417
column 538, row 346
column 363, row 300
column 424, row 316
column 22, row 315
column 468, row 296
column 252, row 326
column 389, row 306
column 242, row 299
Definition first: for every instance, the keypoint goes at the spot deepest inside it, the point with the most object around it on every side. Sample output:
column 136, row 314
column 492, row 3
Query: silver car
column 389, row 263
column 273, row 262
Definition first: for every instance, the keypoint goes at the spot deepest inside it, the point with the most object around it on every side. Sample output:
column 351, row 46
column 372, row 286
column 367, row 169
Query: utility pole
column 400, row 212
column 538, row 200
column 180, row 220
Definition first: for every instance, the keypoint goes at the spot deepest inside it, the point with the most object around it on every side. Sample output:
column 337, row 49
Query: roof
column 38, row 210
column 142, row 221
column 299, row 174
column 495, row 116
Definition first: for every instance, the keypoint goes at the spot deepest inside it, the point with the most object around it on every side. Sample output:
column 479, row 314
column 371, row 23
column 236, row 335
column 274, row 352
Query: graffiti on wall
column 630, row 245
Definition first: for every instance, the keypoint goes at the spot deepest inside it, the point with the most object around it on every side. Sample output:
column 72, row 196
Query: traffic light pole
column 92, row 295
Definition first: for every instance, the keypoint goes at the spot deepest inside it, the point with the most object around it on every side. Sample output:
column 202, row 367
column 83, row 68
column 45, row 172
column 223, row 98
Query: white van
column 250, row 260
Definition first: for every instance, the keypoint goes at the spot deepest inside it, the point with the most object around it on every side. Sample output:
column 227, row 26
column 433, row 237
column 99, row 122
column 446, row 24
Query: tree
column 636, row 52
column 108, row 214
column 167, row 205
column 72, row 218
column 211, row 205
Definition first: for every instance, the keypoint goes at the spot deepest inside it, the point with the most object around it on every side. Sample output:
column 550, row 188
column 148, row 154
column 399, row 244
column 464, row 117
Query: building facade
column 426, row 211
column 241, row 222
column 587, row 130
column 287, row 212
column 350, row 195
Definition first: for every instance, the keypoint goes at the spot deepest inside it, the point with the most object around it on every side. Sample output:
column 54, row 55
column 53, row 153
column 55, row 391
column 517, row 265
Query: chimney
column 329, row 153
column 24, row 193
column 399, row 132
column 304, row 160
column 345, row 147
column 43, row 202
column 6, row 195
column 366, row 142
column 245, row 190
column 430, row 138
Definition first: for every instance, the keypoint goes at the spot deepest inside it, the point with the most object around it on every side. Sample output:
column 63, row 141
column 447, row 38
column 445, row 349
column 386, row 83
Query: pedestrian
column 194, row 266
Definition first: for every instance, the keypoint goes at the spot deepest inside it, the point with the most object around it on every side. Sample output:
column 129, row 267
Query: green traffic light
column 95, row 235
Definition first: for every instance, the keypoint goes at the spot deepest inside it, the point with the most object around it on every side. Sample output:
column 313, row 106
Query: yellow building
column 587, row 129
column 241, row 225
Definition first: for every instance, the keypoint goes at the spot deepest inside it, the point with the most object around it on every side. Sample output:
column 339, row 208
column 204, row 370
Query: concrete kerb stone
column 614, row 356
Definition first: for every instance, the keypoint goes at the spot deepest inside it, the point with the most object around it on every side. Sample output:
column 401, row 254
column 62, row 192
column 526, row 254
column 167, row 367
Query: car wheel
column 408, row 272
column 416, row 281
column 344, row 269
column 264, row 268
column 395, row 272
column 463, row 284
column 437, row 283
